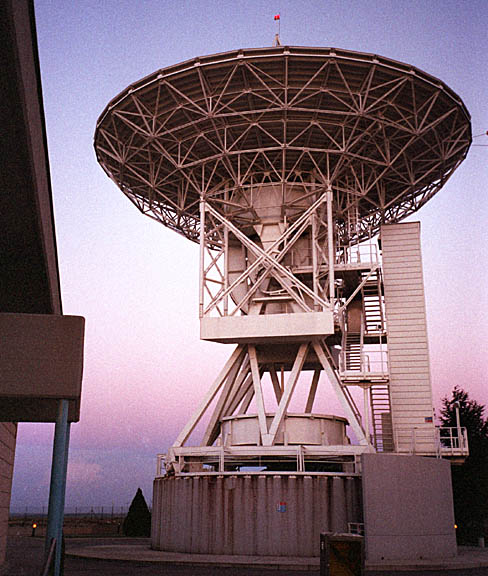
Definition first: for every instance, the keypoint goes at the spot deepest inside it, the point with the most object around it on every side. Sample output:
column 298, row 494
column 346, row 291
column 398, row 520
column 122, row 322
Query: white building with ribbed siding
column 408, row 349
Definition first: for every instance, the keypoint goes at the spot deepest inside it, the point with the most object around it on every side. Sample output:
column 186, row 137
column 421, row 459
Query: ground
column 25, row 553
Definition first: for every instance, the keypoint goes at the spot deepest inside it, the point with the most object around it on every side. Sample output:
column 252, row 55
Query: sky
column 136, row 282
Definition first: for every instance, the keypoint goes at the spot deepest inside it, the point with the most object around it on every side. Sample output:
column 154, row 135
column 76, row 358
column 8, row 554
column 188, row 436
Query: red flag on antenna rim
column 277, row 17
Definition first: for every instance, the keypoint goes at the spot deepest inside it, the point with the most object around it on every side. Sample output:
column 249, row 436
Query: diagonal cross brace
column 235, row 357
column 269, row 439
column 264, row 275
column 273, row 262
column 264, row 255
column 258, row 392
column 336, row 385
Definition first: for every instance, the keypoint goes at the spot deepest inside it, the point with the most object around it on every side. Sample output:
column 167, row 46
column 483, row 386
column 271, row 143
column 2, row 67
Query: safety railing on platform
column 444, row 441
column 452, row 441
column 355, row 528
column 298, row 459
column 375, row 362
column 364, row 253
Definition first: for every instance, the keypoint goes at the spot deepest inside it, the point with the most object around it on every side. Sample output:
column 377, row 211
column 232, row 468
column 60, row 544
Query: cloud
column 82, row 472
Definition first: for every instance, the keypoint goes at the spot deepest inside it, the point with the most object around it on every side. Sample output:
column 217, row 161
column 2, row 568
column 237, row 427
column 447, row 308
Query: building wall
column 408, row 508
column 8, row 433
column 27, row 244
column 408, row 350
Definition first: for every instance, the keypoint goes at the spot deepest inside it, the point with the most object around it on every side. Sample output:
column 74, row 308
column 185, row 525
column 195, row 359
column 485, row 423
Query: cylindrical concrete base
column 279, row 515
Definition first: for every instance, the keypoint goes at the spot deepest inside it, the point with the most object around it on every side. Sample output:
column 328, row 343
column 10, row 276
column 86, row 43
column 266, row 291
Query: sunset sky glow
column 136, row 282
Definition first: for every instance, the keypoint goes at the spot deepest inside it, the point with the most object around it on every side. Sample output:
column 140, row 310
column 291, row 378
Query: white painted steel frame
column 295, row 288
column 240, row 381
column 361, row 140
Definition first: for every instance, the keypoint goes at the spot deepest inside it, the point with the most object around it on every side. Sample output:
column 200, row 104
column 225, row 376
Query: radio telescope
column 292, row 167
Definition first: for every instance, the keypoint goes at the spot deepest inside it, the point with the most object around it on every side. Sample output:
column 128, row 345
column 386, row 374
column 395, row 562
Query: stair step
column 381, row 418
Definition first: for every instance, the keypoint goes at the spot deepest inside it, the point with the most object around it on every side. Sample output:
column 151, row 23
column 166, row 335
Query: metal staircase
column 382, row 422
column 374, row 319
column 370, row 370
column 353, row 352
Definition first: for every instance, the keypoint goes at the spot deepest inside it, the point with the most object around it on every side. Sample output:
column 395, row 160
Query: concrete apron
column 467, row 558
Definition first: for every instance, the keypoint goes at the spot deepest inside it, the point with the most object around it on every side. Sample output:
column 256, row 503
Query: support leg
column 313, row 392
column 58, row 483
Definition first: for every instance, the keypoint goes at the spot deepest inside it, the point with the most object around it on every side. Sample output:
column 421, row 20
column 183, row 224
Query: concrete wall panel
column 41, row 355
column 408, row 509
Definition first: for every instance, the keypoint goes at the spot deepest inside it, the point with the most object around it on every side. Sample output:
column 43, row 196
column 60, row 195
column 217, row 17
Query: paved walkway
column 120, row 556
column 142, row 553
column 467, row 558
column 25, row 554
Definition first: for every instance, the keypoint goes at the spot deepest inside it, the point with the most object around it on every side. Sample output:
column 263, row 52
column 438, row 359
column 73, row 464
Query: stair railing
column 342, row 355
column 361, row 343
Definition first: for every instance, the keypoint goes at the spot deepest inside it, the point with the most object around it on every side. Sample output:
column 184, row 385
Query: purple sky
column 136, row 282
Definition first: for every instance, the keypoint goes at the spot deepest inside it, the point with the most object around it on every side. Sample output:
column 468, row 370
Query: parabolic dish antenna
column 386, row 134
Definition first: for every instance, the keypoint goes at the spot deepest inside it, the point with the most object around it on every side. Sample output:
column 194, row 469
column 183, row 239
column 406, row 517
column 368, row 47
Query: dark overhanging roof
column 28, row 256
column 32, row 326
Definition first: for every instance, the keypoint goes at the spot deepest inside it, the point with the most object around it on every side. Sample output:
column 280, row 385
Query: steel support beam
column 58, row 484
column 330, row 244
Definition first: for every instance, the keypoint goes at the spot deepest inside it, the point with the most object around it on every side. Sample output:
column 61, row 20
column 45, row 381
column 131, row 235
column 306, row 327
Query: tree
column 470, row 480
column 138, row 519
column 472, row 417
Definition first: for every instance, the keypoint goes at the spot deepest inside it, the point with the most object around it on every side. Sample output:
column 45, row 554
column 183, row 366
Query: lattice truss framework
column 227, row 293
column 385, row 135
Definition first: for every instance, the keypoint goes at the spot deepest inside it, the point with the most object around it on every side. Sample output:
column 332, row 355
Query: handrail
column 49, row 559
column 365, row 362
column 453, row 441
column 357, row 252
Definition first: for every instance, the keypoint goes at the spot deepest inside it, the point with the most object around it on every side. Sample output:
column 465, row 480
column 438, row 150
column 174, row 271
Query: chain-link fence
column 73, row 512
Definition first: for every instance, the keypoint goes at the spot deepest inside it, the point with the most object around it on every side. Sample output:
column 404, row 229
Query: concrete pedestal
column 272, row 515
